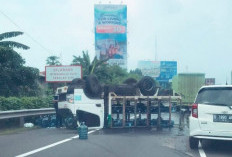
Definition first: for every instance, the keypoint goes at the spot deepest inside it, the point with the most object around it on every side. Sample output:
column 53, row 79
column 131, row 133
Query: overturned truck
column 131, row 104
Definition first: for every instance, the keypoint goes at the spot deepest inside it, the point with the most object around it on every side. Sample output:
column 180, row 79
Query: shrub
column 17, row 103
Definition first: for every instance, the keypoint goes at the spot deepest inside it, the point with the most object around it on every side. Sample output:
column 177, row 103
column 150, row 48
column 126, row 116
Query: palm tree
column 53, row 60
column 88, row 66
column 12, row 44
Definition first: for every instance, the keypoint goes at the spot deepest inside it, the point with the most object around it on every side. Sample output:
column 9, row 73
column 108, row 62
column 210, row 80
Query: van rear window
column 215, row 96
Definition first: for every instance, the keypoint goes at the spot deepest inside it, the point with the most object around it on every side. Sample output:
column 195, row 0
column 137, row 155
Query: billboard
column 110, row 24
column 149, row 68
column 209, row 81
column 162, row 71
column 168, row 69
column 62, row 73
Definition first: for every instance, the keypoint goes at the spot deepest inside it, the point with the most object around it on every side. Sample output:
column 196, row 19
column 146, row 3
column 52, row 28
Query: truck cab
column 76, row 107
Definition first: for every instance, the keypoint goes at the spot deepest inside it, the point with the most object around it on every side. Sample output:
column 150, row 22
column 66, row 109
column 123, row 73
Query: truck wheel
column 147, row 86
column 193, row 142
column 92, row 87
column 70, row 122
column 76, row 83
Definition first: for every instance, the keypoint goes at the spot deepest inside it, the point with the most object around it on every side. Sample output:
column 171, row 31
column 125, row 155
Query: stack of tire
column 130, row 87
column 89, row 84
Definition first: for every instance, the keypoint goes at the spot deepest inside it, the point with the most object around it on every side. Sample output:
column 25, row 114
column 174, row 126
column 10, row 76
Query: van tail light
column 195, row 110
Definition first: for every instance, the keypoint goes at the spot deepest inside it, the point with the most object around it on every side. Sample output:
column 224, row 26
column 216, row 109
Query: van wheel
column 193, row 142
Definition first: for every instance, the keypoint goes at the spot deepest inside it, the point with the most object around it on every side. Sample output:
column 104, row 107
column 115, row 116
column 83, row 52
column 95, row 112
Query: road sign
column 63, row 73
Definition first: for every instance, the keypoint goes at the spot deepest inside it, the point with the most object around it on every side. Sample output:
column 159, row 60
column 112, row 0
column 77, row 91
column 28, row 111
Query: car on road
column 211, row 116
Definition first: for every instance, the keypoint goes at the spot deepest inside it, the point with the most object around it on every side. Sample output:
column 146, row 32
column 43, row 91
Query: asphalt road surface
column 106, row 142
column 136, row 142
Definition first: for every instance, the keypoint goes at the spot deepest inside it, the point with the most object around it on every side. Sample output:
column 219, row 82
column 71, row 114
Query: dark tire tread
column 193, row 143
column 147, row 86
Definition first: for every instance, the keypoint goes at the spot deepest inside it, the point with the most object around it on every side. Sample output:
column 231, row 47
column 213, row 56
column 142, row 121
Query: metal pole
column 21, row 121
column 180, row 120
column 159, row 115
column 148, row 112
column 110, row 110
column 170, row 111
column 135, row 113
column 124, row 112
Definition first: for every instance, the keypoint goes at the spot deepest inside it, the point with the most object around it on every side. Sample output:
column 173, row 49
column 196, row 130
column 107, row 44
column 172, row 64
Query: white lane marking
column 52, row 145
column 201, row 151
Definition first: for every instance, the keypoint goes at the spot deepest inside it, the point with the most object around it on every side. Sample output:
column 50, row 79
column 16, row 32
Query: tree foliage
column 53, row 60
column 88, row 67
column 106, row 74
column 11, row 44
column 15, row 78
column 18, row 103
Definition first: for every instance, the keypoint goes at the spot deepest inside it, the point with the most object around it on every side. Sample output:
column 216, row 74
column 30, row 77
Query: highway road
column 134, row 142
column 105, row 142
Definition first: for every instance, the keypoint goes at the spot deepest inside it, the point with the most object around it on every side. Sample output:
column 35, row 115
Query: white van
column 211, row 116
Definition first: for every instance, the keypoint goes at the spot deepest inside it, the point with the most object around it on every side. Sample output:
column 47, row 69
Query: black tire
column 130, row 81
column 76, row 84
column 123, row 90
column 147, row 86
column 70, row 122
column 92, row 88
column 193, row 142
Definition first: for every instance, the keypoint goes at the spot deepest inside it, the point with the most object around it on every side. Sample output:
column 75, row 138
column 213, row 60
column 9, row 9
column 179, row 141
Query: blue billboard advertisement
column 168, row 69
column 110, row 22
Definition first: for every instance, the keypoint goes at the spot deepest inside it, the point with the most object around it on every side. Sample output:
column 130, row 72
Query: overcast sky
column 195, row 33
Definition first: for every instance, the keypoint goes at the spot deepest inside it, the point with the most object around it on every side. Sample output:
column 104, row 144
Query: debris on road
column 28, row 125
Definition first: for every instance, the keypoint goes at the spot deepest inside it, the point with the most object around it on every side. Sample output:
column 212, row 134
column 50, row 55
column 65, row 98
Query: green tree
column 84, row 61
column 88, row 67
column 106, row 74
column 136, row 72
column 11, row 44
column 53, row 60
column 116, row 74
column 15, row 78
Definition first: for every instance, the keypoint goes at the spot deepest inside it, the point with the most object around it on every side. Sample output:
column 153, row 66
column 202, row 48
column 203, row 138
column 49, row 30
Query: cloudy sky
column 195, row 33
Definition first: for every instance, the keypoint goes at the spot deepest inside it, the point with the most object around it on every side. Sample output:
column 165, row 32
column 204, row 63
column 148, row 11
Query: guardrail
column 25, row 113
